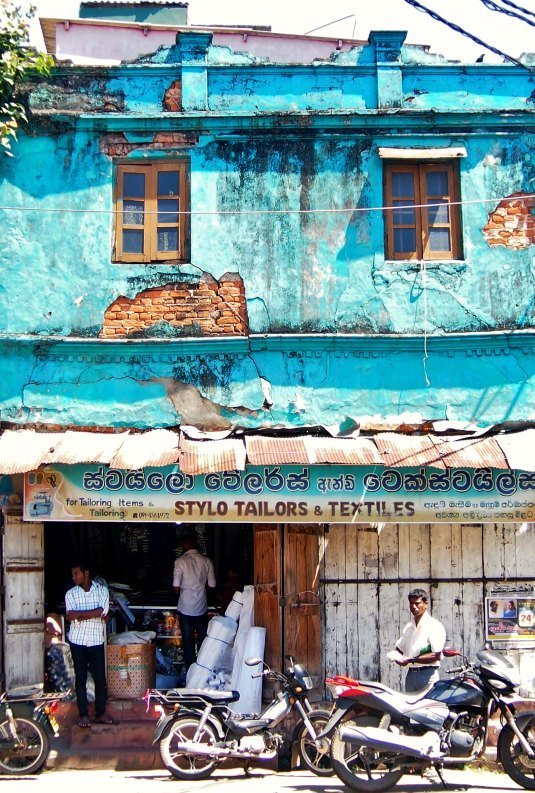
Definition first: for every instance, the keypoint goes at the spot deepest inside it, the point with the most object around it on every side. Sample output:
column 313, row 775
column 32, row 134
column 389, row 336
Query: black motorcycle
column 378, row 734
column 197, row 730
column 27, row 720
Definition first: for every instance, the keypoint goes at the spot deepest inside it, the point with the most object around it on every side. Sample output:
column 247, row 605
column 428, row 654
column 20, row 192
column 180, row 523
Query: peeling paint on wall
column 116, row 144
column 512, row 223
column 203, row 308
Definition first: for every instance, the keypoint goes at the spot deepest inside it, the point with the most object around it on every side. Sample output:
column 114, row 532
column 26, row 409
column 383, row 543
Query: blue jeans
column 91, row 658
column 193, row 630
column 420, row 678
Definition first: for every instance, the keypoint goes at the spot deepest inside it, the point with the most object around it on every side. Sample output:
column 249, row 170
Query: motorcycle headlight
column 307, row 682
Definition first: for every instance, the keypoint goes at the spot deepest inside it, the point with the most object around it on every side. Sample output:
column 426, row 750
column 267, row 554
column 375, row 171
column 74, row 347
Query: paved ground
column 259, row 781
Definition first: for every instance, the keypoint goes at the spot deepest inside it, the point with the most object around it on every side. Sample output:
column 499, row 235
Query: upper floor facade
column 374, row 195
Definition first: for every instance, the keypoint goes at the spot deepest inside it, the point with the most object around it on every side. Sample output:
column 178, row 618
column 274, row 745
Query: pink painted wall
column 106, row 44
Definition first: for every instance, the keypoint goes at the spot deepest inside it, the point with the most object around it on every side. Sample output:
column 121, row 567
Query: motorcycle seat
column 203, row 693
column 25, row 692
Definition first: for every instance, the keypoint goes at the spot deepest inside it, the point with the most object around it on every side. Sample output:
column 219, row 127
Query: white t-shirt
column 192, row 573
column 429, row 636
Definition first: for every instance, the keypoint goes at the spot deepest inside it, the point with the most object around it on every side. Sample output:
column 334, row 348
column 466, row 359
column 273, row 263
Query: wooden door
column 301, row 614
column 267, row 582
column 286, row 577
column 23, row 572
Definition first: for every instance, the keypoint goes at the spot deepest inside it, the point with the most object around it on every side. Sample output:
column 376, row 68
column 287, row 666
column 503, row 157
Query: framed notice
column 510, row 615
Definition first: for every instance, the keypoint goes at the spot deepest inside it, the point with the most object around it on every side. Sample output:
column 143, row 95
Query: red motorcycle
column 377, row 734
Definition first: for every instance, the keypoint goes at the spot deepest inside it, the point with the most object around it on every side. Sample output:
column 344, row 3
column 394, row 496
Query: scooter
column 27, row 720
column 378, row 734
column 197, row 730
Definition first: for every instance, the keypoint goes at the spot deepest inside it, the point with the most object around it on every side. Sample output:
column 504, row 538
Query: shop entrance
column 141, row 556
column 280, row 560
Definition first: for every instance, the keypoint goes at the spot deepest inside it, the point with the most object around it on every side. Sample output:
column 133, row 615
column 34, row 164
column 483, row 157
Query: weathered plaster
column 268, row 145
column 264, row 381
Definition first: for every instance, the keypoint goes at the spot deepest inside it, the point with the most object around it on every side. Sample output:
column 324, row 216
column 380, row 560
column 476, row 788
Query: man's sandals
column 105, row 720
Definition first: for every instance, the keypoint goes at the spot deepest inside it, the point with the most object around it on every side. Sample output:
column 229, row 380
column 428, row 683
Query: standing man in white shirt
column 421, row 644
column 86, row 606
column 192, row 573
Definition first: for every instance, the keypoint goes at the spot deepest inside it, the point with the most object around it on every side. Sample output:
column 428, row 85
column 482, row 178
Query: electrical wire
column 339, row 210
column 492, row 6
column 463, row 32
column 518, row 8
column 328, row 24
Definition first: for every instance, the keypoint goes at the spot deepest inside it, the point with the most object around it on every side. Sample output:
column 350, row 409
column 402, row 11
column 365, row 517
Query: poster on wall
column 510, row 615
column 296, row 494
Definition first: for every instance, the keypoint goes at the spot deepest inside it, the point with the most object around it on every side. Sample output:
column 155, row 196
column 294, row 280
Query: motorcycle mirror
column 253, row 661
column 450, row 652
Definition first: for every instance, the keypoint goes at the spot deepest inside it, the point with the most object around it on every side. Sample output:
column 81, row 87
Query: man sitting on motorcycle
column 420, row 644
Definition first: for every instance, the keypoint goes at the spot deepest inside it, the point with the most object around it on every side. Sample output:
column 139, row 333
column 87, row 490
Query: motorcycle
column 197, row 730
column 378, row 735
column 27, row 719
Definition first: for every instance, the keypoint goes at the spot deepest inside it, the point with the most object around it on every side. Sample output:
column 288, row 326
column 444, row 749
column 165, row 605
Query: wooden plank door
column 267, row 583
column 23, row 573
column 301, row 613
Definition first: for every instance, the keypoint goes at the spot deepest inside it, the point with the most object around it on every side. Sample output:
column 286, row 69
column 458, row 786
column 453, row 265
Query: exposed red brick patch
column 116, row 144
column 172, row 99
column 206, row 307
column 512, row 223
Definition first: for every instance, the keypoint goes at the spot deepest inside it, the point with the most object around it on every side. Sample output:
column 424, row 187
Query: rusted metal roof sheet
column 85, row 447
column 407, row 450
column 345, row 451
column 273, row 450
column 204, row 457
column 481, row 452
column 519, row 449
column 147, row 449
column 25, row 450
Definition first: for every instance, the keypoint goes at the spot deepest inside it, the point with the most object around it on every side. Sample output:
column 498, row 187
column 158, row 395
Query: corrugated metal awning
column 26, row 450
column 346, row 451
column 408, row 450
column 204, row 457
column 518, row 448
column 148, row 449
column 481, row 452
column 85, row 447
column 273, row 450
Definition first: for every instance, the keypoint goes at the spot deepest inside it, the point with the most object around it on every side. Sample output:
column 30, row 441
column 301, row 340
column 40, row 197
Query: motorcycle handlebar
column 455, row 670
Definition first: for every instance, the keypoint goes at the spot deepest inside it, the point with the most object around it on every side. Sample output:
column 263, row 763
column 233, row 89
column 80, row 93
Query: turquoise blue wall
column 270, row 137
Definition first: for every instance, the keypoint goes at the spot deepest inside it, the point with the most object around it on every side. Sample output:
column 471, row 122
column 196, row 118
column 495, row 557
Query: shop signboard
column 268, row 494
column 510, row 615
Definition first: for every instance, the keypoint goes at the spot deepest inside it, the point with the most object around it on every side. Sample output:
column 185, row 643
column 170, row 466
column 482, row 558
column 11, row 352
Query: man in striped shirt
column 86, row 606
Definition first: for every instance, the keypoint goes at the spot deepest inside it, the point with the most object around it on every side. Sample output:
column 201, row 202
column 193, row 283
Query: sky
column 512, row 36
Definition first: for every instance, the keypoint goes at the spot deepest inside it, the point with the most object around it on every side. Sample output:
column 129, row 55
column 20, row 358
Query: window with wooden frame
column 149, row 200
column 421, row 221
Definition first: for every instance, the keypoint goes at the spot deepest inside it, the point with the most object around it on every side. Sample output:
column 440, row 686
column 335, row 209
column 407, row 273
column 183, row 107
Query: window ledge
column 459, row 265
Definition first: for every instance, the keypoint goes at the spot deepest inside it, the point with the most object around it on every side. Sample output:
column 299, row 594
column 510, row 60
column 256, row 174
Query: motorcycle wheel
column 515, row 761
column 314, row 758
column 33, row 751
column 181, row 764
column 361, row 768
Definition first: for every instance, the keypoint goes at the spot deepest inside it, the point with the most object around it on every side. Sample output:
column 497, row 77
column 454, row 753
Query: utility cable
column 339, row 210
column 463, row 32
column 519, row 8
column 328, row 24
column 492, row 6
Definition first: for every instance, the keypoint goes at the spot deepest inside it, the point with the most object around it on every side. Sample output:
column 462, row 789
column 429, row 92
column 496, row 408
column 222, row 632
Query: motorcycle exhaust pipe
column 219, row 753
column 425, row 746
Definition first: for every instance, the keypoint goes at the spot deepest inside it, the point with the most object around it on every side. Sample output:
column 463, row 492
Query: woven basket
column 130, row 669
